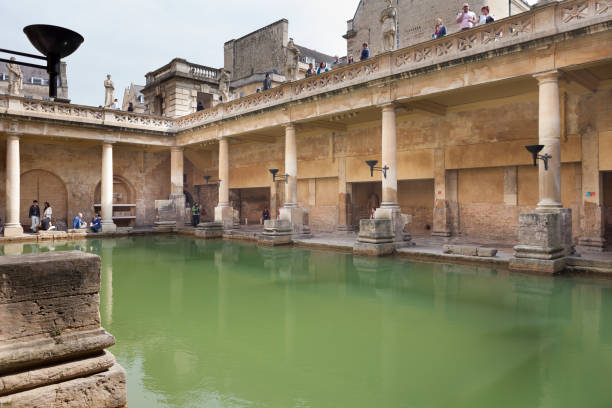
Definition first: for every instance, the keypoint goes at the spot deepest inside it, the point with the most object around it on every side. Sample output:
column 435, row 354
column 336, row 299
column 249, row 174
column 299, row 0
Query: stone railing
column 36, row 108
column 181, row 67
column 201, row 71
column 540, row 22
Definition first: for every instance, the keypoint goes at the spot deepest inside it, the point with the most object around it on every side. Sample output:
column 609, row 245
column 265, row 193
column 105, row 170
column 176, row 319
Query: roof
column 318, row 56
column 28, row 72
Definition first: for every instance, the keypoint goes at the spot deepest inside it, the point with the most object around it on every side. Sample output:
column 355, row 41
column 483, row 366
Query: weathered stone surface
column 277, row 226
column 370, row 249
column 276, row 232
column 543, row 266
column 209, row 230
column 51, row 235
column 486, row 252
column 164, row 226
column 56, row 373
column 376, row 231
column 103, row 390
column 540, row 229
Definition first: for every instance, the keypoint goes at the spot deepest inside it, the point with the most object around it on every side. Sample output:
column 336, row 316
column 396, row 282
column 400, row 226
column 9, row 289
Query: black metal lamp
column 54, row 43
column 213, row 183
column 373, row 163
column 534, row 150
column 281, row 177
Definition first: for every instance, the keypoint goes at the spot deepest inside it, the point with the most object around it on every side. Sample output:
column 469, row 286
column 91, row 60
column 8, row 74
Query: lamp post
column 280, row 177
column 212, row 183
column 534, row 150
column 372, row 164
column 54, row 43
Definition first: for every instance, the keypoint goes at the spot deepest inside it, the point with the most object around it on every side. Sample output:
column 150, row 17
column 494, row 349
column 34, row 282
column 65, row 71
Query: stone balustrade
column 540, row 22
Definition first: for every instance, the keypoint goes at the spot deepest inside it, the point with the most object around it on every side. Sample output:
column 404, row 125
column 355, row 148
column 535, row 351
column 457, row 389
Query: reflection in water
column 213, row 323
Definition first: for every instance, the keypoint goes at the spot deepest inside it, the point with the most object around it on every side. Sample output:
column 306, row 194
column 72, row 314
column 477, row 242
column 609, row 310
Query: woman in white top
column 485, row 16
column 48, row 211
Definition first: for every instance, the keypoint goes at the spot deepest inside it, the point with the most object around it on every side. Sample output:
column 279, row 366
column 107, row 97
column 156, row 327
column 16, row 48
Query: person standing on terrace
column 466, row 18
column 439, row 30
column 365, row 51
column 485, row 16
column 310, row 71
column 267, row 83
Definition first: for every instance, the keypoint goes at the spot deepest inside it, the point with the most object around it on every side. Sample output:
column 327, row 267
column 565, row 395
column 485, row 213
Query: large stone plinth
column 400, row 225
column 544, row 242
column 276, row 232
column 209, row 230
column 376, row 238
column 298, row 219
column 52, row 348
column 225, row 216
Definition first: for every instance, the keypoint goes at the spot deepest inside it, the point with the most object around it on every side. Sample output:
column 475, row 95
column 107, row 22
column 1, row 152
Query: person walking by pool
column 267, row 83
column 485, row 16
column 439, row 30
column 96, row 223
column 365, row 51
column 34, row 215
column 195, row 214
column 78, row 222
column 466, row 18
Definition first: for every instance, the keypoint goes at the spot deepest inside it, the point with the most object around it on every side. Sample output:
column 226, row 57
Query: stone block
column 77, row 231
column 277, row 226
column 274, row 240
column 370, row 249
column 51, row 235
column 540, row 229
column 375, row 231
column 225, row 216
column 465, row 250
column 276, row 232
column 540, row 266
column 209, row 230
column 298, row 218
column 487, row 252
column 164, row 226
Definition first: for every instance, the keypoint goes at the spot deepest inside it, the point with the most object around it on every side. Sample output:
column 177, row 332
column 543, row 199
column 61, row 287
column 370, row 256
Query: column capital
column 290, row 125
column 108, row 142
column 177, row 148
column 10, row 136
column 547, row 76
column 388, row 106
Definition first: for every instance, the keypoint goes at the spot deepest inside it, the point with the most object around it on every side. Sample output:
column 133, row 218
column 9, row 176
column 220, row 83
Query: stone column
column 344, row 198
column 224, row 213
column 389, row 157
column 291, row 167
column 176, row 172
column 12, row 226
column 107, row 224
column 549, row 131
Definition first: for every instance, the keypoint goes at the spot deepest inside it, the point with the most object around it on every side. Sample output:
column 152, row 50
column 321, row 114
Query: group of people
column 38, row 223
column 466, row 19
column 79, row 222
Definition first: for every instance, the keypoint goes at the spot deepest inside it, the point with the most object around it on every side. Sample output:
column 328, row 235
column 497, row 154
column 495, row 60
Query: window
column 46, row 98
column 36, row 81
column 140, row 98
column 3, row 77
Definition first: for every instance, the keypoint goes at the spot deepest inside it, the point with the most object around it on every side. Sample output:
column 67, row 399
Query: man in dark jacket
column 267, row 83
column 365, row 52
column 34, row 215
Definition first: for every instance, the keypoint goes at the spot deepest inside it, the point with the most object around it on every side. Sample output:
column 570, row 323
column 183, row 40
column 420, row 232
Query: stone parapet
column 52, row 348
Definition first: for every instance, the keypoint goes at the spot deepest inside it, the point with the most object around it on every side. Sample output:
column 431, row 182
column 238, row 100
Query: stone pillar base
column 225, row 216
column 209, row 230
column 108, row 226
column 296, row 217
column 593, row 244
column 164, row 226
column 400, row 225
column 376, row 238
column 276, row 232
column 544, row 242
column 345, row 228
column 13, row 230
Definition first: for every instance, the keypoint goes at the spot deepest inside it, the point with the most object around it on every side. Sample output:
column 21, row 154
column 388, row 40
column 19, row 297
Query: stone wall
column 52, row 348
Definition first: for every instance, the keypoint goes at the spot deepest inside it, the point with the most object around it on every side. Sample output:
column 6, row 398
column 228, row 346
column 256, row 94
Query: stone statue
column 15, row 78
column 224, row 84
column 388, row 18
column 292, row 60
column 109, row 87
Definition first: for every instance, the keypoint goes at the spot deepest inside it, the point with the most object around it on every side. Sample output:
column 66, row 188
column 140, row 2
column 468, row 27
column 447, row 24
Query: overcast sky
column 130, row 38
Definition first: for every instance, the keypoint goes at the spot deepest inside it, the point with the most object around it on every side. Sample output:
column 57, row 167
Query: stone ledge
column 469, row 250
column 369, row 249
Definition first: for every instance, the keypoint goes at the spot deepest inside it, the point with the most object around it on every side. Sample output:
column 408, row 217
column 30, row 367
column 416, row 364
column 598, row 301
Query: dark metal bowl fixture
column 275, row 177
column 372, row 164
column 534, row 150
column 54, row 43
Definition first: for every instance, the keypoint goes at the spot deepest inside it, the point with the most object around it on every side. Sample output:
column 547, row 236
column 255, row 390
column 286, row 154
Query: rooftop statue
column 224, row 84
column 292, row 60
column 388, row 19
column 109, row 89
column 15, row 78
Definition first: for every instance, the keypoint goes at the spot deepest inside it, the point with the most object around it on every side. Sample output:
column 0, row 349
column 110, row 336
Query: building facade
column 36, row 82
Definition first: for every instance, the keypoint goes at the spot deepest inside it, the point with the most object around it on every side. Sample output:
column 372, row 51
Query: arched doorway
column 124, row 201
column 44, row 186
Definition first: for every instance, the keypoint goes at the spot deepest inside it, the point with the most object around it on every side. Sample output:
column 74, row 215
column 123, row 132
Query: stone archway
column 123, row 192
column 44, row 186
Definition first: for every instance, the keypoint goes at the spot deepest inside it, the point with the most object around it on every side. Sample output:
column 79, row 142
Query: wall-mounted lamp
column 212, row 183
column 534, row 150
column 280, row 177
column 373, row 163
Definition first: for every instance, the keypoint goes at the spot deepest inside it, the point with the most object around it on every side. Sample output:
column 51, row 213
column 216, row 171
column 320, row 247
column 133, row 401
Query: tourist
column 96, row 223
column 365, row 51
column 200, row 106
column 485, row 16
column 310, row 71
column 466, row 18
column 336, row 61
column 372, row 213
column 267, row 83
column 195, row 214
column 34, row 215
column 350, row 59
column 45, row 223
column 440, row 29
column 265, row 214
column 78, row 222
column 130, row 107
column 322, row 68
column 115, row 104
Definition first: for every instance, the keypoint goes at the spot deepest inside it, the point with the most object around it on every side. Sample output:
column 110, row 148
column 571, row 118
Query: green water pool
column 225, row 324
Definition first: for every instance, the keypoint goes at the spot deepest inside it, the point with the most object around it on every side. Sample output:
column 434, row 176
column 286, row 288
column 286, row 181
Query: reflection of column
column 107, row 223
column 12, row 226
column 389, row 156
column 106, row 252
column 221, row 293
column 550, row 136
column 291, row 166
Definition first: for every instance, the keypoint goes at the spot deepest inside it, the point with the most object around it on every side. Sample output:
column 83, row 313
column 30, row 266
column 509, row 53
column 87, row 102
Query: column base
column 593, row 244
column 297, row 218
column 108, row 226
column 209, row 230
column 13, row 230
column 164, row 226
column 276, row 232
column 376, row 238
column 400, row 224
column 225, row 216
